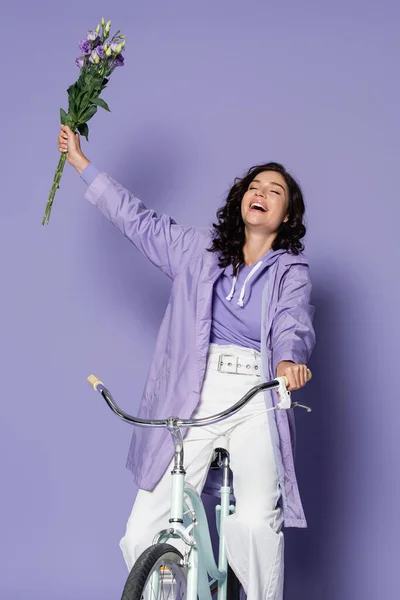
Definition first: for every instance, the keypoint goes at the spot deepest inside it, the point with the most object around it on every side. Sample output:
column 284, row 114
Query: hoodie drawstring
column 230, row 295
column 243, row 290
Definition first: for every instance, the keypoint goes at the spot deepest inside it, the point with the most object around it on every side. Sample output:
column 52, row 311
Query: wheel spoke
column 157, row 575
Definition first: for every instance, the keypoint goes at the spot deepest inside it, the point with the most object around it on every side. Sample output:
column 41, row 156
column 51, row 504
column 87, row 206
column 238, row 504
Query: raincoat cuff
column 89, row 173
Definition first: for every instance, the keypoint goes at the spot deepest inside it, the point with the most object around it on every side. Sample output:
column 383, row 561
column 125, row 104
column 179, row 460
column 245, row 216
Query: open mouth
column 257, row 206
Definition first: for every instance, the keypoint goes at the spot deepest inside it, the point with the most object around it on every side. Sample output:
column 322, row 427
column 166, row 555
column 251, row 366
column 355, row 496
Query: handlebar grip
column 95, row 382
column 309, row 376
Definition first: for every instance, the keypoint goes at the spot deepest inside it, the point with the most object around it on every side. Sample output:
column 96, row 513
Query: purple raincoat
column 177, row 370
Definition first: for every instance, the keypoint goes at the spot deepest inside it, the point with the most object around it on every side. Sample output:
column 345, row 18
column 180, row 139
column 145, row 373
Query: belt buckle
column 227, row 363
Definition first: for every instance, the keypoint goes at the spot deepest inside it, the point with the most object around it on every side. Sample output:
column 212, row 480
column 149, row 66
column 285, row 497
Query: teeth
column 256, row 204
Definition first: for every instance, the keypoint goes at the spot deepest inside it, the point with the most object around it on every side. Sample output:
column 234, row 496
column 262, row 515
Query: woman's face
column 265, row 203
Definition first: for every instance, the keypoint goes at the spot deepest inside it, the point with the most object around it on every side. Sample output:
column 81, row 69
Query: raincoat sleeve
column 165, row 243
column 292, row 332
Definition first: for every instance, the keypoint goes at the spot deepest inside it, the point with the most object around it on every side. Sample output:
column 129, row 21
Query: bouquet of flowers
column 100, row 55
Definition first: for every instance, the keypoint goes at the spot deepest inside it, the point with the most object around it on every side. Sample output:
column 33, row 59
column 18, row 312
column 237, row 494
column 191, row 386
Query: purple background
column 207, row 91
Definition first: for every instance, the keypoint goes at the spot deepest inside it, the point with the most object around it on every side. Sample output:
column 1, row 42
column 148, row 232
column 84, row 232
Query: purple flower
column 100, row 51
column 84, row 47
column 91, row 35
column 118, row 61
column 80, row 61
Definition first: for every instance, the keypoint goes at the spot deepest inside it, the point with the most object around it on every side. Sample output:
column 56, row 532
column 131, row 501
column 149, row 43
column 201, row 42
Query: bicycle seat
column 220, row 449
column 214, row 477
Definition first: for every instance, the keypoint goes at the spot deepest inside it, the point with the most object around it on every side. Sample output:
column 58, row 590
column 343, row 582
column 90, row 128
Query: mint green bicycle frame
column 190, row 524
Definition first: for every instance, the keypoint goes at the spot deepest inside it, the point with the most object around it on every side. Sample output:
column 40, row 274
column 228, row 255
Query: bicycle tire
column 148, row 562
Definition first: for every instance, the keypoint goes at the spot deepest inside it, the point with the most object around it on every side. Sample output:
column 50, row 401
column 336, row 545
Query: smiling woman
column 265, row 328
column 264, row 210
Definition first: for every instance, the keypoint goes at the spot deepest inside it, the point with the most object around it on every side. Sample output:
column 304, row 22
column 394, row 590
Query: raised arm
column 165, row 243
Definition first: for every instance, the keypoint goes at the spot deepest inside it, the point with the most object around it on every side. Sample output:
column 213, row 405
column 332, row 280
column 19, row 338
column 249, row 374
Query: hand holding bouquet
column 101, row 54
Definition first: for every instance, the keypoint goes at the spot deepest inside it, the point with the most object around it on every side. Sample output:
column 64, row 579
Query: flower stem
column 54, row 187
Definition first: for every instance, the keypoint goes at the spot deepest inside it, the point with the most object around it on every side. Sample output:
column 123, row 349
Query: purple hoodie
column 236, row 305
column 177, row 370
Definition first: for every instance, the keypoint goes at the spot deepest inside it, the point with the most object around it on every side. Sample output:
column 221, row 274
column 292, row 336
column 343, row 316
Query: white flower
column 91, row 35
column 94, row 57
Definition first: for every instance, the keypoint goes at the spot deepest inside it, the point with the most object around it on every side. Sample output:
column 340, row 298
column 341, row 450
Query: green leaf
column 72, row 118
column 84, row 130
column 88, row 114
column 82, row 101
column 72, row 108
column 63, row 117
column 100, row 102
column 72, row 91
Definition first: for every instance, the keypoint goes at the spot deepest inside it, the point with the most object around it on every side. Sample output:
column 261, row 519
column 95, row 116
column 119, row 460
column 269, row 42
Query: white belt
column 238, row 365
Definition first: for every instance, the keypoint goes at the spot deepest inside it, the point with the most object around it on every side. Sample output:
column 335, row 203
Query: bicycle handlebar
column 279, row 383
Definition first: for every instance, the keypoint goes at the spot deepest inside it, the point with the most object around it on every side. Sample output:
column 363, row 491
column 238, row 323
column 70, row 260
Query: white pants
column 253, row 535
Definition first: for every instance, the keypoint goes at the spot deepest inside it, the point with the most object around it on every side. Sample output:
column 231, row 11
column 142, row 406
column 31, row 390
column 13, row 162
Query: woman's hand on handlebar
column 295, row 374
column 69, row 142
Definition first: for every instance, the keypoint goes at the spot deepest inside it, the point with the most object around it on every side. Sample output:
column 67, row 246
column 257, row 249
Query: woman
column 239, row 310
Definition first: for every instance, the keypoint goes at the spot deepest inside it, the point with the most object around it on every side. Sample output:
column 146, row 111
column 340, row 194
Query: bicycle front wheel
column 157, row 574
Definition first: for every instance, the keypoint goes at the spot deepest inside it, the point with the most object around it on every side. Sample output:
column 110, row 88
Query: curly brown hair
column 229, row 232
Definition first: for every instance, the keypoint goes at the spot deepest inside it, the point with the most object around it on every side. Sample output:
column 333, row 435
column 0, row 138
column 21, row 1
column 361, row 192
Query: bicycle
column 161, row 572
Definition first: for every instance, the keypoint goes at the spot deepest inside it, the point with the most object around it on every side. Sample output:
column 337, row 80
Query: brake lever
column 307, row 408
column 285, row 397
column 284, row 394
